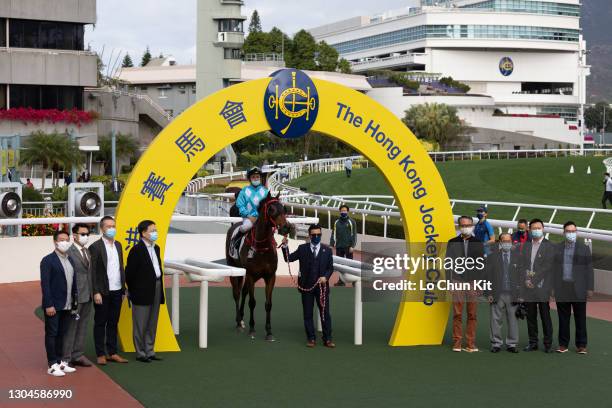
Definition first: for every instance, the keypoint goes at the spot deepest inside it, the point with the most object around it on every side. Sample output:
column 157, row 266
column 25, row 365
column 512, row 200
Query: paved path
column 23, row 358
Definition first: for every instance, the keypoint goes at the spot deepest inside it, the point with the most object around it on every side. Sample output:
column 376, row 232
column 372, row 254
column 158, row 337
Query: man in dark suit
column 504, row 272
column 461, row 248
column 316, row 267
column 74, row 342
column 573, row 282
column 144, row 277
column 536, row 274
column 59, row 291
column 108, row 284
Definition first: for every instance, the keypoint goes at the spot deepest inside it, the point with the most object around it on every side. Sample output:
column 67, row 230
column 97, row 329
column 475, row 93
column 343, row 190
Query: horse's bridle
column 253, row 242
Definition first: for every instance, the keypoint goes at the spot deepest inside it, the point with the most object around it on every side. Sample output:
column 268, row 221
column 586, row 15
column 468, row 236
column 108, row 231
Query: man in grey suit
column 74, row 339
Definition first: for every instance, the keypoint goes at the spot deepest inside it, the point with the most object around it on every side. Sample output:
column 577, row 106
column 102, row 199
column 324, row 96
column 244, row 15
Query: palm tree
column 435, row 122
column 50, row 150
column 125, row 147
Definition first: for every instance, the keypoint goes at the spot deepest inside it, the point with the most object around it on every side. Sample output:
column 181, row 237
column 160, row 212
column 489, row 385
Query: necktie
column 506, row 259
column 84, row 251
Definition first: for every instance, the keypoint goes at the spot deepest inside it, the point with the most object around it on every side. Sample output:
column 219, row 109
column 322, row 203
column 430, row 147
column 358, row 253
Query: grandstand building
column 524, row 63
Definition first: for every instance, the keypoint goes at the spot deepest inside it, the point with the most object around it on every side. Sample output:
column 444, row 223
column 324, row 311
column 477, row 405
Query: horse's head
column 273, row 211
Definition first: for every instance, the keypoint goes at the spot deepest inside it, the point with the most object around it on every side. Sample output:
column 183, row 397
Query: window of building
column 231, row 25
column 232, row 53
column 162, row 93
column 3, row 104
column 46, row 34
column 144, row 89
column 2, row 32
column 46, row 97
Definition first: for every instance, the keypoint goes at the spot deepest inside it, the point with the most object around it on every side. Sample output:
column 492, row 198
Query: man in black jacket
column 59, row 294
column 144, row 276
column 504, row 272
column 573, row 282
column 108, row 286
column 536, row 275
column 460, row 249
column 316, row 267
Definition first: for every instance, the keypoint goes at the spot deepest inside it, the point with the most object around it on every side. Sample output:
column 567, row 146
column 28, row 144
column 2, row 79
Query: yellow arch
column 166, row 164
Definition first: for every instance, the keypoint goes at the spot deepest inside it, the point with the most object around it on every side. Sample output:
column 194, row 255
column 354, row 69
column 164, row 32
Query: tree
column 125, row 145
column 146, row 57
column 50, row 150
column 278, row 42
column 593, row 116
column 327, row 57
column 344, row 66
column 255, row 23
column 101, row 67
column 303, row 49
column 435, row 122
column 127, row 61
column 256, row 43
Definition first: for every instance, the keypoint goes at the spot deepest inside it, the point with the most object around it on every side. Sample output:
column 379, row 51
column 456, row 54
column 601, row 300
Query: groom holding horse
column 316, row 267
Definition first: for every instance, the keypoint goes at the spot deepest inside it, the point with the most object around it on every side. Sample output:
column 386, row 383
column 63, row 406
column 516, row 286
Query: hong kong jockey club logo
column 291, row 103
column 506, row 66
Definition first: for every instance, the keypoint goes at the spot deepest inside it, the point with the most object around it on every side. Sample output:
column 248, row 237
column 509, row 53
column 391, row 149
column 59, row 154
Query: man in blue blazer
column 59, row 297
column 316, row 267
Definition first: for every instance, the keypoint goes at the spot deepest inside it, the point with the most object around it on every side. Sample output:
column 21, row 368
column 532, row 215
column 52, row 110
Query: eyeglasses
column 315, row 235
column 84, row 235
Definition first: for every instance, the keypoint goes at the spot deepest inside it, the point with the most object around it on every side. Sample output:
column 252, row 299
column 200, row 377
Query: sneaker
column 562, row 349
column 55, row 371
column 457, row 347
column 471, row 349
column 66, row 368
column 581, row 350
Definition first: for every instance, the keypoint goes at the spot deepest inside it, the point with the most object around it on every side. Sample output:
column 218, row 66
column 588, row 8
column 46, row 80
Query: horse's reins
column 296, row 283
column 252, row 241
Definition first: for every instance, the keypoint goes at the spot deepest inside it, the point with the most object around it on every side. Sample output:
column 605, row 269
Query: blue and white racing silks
column 249, row 199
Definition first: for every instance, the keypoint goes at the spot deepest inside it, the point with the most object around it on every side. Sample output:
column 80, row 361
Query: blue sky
column 169, row 27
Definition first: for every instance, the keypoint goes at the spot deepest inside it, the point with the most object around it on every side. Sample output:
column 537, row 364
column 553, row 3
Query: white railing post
column 358, row 314
column 203, row 334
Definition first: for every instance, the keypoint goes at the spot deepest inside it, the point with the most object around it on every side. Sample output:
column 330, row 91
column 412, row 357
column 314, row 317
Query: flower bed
column 29, row 115
column 42, row 229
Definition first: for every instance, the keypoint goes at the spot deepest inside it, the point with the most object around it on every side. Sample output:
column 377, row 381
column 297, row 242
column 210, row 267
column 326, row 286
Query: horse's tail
column 228, row 239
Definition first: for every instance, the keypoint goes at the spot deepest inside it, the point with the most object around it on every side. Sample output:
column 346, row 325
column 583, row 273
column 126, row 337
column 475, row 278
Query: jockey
column 247, row 204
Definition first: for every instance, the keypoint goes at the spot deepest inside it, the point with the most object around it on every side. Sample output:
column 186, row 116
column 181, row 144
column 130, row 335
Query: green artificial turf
column 236, row 371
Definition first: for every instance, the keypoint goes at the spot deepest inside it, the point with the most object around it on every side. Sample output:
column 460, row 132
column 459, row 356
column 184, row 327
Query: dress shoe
column 116, row 358
column 562, row 349
column 581, row 350
column 531, row 347
column 512, row 350
column 310, row 343
column 101, row 360
column 143, row 359
column 329, row 344
column 155, row 358
column 495, row 349
column 81, row 362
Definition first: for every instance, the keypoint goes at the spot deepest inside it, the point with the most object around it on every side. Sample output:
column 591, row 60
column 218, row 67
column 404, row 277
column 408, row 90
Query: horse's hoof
column 270, row 338
column 252, row 335
column 241, row 324
column 239, row 329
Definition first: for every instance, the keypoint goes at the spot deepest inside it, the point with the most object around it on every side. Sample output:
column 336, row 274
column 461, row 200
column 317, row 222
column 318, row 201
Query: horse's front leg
column 252, row 304
column 270, row 281
column 248, row 282
column 236, row 289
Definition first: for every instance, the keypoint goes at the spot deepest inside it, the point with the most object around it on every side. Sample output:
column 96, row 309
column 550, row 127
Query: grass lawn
column 239, row 372
column 533, row 181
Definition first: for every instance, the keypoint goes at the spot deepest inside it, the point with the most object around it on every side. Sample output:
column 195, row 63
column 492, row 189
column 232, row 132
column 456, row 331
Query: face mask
column 344, row 215
column 110, row 233
column 480, row 216
column 83, row 239
column 521, row 231
column 570, row 236
column 467, row 231
column 256, row 183
column 153, row 236
column 537, row 233
column 63, row 246
column 315, row 239
column 506, row 246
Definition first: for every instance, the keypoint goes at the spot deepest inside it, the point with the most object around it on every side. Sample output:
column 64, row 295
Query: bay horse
column 262, row 264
